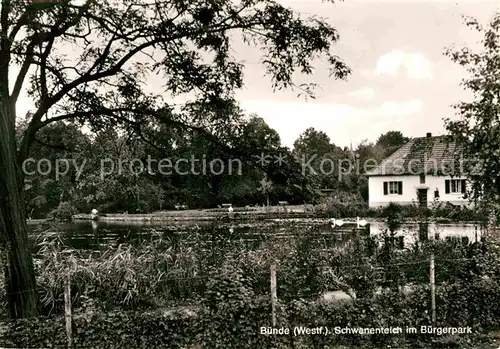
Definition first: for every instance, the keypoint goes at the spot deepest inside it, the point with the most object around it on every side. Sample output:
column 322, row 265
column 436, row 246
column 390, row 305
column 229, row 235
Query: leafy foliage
column 106, row 69
column 342, row 205
column 64, row 212
column 477, row 128
column 391, row 141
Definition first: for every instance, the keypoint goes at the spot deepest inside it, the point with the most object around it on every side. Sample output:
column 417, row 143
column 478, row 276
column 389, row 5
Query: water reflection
column 95, row 234
column 464, row 233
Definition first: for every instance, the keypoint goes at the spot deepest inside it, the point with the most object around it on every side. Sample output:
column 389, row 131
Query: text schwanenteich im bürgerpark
column 338, row 330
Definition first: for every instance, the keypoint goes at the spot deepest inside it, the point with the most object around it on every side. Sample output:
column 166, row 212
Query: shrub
column 64, row 212
column 342, row 205
column 437, row 210
column 106, row 330
column 234, row 314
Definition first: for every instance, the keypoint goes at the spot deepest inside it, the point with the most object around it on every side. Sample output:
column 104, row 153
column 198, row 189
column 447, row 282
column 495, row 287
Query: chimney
column 429, row 135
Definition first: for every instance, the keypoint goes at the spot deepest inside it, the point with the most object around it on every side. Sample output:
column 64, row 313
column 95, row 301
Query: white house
column 423, row 170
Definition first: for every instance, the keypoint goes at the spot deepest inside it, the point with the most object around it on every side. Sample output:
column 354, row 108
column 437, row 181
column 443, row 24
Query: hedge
column 232, row 319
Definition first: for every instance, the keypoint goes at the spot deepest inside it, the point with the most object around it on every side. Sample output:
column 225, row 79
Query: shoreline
column 112, row 218
column 193, row 217
column 260, row 213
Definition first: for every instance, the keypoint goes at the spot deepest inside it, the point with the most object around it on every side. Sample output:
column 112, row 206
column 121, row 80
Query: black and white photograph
column 246, row 174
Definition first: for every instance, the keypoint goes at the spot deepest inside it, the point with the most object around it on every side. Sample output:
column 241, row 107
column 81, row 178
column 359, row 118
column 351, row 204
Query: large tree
column 315, row 148
column 391, row 141
column 476, row 129
column 312, row 142
column 86, row 63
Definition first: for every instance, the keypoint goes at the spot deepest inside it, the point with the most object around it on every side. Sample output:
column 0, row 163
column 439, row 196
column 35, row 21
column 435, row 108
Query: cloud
column 366, row 93
column 416, row 65
column 400, row 108
column 389, row 63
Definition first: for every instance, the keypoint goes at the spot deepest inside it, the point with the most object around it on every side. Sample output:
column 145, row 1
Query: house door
column 422, row 197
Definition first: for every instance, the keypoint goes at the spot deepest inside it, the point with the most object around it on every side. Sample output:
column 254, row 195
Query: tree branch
column 82, row 114
column 22, row 21
column 43, row 70
column 88, row 77
column 152, row 38
column 18, row 85
column 38, row 39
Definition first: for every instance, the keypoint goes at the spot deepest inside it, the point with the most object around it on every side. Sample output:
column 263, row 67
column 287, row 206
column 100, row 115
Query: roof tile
column 431, row 155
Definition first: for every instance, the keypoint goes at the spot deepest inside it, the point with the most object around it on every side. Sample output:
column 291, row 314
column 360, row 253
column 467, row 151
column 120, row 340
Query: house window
column 455, row 186
column 393, row 188
column 422, row 179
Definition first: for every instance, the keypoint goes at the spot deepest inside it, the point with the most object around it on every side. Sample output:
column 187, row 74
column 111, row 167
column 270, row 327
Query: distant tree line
column 108, row 169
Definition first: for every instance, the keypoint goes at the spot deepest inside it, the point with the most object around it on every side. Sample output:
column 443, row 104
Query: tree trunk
column 18, row 266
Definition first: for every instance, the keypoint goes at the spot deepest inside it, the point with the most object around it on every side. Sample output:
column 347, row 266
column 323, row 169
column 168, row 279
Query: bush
column 234, row 314
column 105, row 330
column 437, row 210
column 64, row 212
column 342, row 205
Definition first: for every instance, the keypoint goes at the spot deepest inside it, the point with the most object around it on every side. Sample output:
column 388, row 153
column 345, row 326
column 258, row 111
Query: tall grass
column 151, row 274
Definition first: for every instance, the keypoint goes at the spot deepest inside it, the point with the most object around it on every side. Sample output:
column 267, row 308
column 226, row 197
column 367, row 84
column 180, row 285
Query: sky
column 401, row 79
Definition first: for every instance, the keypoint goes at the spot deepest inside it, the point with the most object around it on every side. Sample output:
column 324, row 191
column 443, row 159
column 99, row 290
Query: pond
column 94, row 235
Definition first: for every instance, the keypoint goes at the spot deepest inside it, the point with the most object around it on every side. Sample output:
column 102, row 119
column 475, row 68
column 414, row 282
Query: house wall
column 377, row 198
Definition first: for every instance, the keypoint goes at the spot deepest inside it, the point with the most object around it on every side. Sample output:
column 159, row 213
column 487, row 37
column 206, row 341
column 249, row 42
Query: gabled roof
column 436, row 155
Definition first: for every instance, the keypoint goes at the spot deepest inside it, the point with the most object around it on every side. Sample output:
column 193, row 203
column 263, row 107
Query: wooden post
column 274, row 296
column 67, row 310
column 433, row 289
